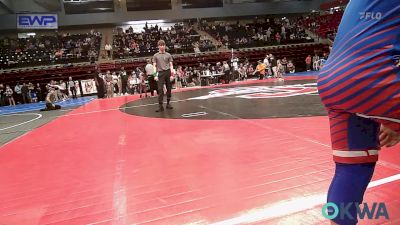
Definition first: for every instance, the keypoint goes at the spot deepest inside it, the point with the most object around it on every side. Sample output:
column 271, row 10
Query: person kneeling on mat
column 50, row 101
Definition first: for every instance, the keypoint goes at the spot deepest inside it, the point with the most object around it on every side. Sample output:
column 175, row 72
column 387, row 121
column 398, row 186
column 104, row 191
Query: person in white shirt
column 72, row 88
column 268, row 65
column 150, row 72
column 115, row 82
column 18, row 92
column 108, row 48
column 9, row 95
column 63, row 90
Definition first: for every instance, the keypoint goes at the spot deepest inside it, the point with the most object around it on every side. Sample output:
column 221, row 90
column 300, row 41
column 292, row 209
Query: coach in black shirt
column 162, row 62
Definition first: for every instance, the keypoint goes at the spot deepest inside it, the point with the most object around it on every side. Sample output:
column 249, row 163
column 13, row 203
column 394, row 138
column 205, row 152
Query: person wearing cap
column 162, row 62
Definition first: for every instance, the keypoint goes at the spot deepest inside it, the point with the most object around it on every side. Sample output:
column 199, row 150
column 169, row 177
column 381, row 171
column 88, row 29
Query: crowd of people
column 28, row 92
column 141, row 79
column 257, row 33
column 325, row 26
column 49, row 49
column 179, row 38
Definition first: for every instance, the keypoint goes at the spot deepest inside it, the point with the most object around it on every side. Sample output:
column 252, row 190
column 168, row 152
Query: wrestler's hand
column 388, row 137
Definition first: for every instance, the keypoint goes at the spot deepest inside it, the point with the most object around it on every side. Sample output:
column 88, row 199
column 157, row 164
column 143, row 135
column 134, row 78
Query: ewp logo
column 378, row 210
column 48, row 21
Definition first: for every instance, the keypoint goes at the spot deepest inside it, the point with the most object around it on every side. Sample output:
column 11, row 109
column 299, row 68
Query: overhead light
column 144, row 21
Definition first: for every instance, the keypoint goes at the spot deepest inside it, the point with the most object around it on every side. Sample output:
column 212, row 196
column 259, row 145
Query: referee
column 162, row 62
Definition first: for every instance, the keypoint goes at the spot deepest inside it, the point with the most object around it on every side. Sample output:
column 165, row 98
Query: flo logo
column 331, row 211
column 258, row 92
column 370, row 15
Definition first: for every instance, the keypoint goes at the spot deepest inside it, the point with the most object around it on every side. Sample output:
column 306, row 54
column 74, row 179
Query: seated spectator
column 291, row 67
column 47, row 49
column 179, row 39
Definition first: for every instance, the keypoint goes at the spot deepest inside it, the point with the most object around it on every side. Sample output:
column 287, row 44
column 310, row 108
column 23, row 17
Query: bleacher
column 179, row 39
column 249, row 35
column 325, row 26
column 49, row 50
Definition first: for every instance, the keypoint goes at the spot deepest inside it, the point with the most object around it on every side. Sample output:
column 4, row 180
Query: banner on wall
column 88, row 86
column 37, row 21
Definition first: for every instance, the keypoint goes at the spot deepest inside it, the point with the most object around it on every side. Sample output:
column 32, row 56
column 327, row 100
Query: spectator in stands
column 308, row 63
column 58, row 53
column 196, row 48
column 179, row 39
column 108, row 49
column 283, row 32
column 9, row 95
column 268, row 33
column 278, row 38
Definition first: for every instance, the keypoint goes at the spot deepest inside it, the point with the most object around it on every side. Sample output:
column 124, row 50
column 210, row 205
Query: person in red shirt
column 308, row 62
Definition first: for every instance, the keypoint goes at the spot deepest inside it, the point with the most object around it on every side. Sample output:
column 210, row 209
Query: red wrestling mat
column 99, row 165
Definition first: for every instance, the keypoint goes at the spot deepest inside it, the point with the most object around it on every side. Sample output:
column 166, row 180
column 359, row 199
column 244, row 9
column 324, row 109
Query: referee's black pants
column 164, row 78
